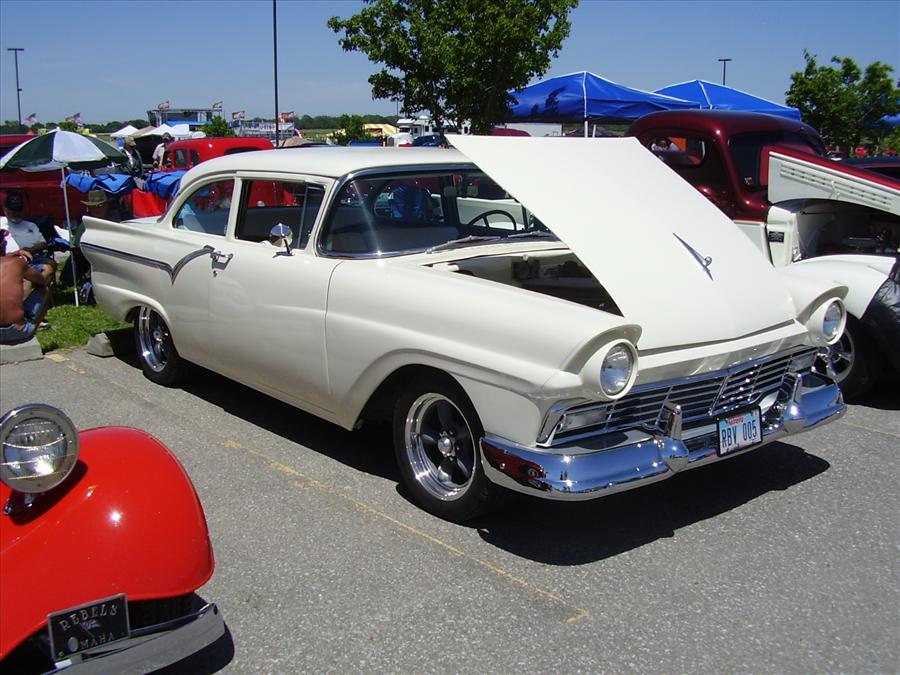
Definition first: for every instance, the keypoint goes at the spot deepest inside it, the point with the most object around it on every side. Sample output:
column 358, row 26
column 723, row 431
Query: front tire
column 853, row 362
column 156, row 350
column 436, row 438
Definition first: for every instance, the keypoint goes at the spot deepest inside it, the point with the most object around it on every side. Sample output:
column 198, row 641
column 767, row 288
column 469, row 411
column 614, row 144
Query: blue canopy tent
column 584, row 96
column 113, row 183
column 712, row 96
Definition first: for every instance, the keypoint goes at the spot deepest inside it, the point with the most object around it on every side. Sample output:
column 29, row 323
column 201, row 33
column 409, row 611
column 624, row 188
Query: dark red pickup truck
column 771, row 177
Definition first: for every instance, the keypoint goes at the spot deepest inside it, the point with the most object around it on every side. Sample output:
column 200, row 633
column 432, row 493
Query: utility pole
column 15, row 51
column 724, row 63
column 275, row 59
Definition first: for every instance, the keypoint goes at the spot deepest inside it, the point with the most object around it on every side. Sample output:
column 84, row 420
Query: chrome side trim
column 591, row 470
column 151, row 262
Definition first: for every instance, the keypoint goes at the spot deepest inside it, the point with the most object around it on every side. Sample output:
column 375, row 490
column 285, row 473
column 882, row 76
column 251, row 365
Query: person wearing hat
column 135, row 165
column 160, row 151
column 25, row 238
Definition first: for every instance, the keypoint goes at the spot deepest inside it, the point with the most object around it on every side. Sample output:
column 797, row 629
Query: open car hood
column 671, row 260
column 799, row 175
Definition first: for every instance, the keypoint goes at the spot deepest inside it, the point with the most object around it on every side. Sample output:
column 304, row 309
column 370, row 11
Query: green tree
column 68, row 126
column 217, row 127
column 351, row 129
column 842, row 102
column 458, row 59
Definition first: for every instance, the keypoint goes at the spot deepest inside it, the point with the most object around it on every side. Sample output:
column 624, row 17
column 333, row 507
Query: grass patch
column 72, row 326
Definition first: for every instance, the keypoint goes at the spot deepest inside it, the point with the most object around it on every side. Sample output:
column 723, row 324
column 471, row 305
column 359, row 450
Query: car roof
column 230, row 142
column 331, row 162
column 725, row 122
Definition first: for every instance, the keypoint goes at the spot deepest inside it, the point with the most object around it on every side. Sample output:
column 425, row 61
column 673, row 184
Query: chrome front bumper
column 602, row 465
column 155, row 647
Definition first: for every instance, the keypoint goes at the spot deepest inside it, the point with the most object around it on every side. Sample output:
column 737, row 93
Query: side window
column 267, row 203
column 679, row 150
column 181, row 159
column 195, row 158
column 206, row 210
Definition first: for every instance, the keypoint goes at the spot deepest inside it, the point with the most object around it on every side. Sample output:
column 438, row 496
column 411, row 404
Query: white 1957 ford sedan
column 561, row 317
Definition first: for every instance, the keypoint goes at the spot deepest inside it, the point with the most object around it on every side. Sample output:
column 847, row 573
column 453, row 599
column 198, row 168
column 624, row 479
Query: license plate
column 88, row 626
column 739, row 430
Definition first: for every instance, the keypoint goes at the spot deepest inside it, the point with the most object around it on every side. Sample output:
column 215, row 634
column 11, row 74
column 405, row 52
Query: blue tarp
column 164, row 184
column 584, row 96
column 113, row 183
column 712, row 96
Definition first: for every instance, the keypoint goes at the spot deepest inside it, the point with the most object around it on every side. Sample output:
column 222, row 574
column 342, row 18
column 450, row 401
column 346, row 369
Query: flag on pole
column 31, row 119
column 217, row 106
column 285, row 116
column 163, row 105
column 73, row 118
column 238, row 115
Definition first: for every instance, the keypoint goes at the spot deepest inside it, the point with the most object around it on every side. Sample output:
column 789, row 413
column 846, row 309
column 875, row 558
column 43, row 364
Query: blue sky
column 114, row 60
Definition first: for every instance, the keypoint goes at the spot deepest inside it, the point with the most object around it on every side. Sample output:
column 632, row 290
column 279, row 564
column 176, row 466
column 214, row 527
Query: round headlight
column 616, row 370
column 831, row 324
column 38, row 448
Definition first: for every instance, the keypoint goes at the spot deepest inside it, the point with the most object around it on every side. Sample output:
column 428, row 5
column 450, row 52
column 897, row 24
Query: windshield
column 751, row 153
column 408, row 212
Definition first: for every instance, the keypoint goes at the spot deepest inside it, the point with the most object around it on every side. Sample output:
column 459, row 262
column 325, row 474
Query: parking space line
column 860, row 426
column 577, row 613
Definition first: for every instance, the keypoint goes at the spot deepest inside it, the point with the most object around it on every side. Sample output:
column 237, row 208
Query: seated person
column 25, row 238
column 23, row 297
column 664, row 144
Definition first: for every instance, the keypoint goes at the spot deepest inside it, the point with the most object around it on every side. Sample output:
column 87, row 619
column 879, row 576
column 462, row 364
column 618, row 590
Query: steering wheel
column 492, row 212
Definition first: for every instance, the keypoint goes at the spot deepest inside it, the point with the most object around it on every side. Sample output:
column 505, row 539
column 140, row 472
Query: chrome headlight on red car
column 38, row 448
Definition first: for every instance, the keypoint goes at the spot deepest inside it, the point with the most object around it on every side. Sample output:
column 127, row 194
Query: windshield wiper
column 463, row 241
column 533, row 233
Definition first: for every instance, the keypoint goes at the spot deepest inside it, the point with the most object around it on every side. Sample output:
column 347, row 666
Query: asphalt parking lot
column 782, row 560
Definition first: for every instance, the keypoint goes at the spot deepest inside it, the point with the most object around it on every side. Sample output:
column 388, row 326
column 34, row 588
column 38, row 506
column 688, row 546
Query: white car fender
column 861, row 274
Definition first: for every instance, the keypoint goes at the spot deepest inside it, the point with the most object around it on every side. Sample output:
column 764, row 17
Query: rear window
column 750, row 153
column 243, row 148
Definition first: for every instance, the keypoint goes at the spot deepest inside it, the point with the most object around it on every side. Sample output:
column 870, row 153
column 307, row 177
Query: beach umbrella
column 59, row 150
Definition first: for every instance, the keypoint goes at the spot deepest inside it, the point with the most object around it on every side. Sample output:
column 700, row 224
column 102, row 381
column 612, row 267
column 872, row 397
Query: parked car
column 887, row 165
column 186, row 154
column 770, row 175
column 427, row 287
column 103, row 543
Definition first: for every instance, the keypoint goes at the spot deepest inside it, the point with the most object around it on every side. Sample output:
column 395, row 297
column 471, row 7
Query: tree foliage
column 842, row 102
column 457, row 59
column 217, row 127
column 351, row 129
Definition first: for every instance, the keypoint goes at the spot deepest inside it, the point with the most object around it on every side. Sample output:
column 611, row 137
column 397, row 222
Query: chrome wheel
column 837, row 360
column 154, row 340
column 439, row 446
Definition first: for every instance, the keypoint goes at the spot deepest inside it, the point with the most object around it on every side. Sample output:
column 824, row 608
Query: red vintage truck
column 771, row 177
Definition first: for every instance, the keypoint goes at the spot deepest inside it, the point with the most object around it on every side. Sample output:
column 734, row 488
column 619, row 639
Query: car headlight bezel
column 618, row 369
column 38, row 448
column 827, row 322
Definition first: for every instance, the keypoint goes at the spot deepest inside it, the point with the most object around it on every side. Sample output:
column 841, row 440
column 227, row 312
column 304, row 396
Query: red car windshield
column 751, row 153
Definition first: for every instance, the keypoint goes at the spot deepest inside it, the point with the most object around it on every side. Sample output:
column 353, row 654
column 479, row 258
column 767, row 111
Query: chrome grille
column 701, row 398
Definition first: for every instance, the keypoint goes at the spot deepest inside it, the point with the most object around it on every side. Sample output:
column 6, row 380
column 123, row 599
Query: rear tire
column 854, row 361
column 156, row 350
column 436, row 442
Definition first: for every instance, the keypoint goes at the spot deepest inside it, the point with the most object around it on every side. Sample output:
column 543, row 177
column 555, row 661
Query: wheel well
column 380, row 406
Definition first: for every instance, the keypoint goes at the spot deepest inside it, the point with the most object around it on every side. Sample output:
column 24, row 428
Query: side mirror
column 281, row 235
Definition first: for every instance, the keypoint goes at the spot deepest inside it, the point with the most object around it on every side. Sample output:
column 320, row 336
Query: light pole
column 724, row 63
column 15, row 51
column 275, row 59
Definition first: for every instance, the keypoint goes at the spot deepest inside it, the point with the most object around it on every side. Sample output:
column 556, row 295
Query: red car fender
column 126, row 520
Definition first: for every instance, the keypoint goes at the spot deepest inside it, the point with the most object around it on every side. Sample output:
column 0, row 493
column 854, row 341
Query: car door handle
column 220, row 258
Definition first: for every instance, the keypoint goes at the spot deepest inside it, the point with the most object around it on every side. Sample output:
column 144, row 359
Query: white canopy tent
column 178, row 131
column 124, row 132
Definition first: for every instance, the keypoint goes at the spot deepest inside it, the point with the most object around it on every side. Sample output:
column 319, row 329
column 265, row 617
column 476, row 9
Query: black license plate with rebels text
column 88, row 627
